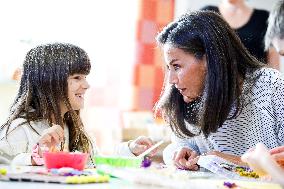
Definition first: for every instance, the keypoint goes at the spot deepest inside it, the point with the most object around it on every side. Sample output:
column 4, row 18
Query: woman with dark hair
column 46, row 111
column 218, row 99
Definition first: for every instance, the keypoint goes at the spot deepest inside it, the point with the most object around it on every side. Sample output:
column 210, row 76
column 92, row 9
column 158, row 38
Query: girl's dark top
column 252, row 33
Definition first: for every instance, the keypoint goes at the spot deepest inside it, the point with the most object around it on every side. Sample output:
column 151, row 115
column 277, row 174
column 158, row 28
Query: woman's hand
column 140, row 144
column 186, row 158
column 52, row 136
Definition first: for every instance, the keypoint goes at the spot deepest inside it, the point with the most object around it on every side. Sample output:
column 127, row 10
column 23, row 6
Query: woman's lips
column 181, row 90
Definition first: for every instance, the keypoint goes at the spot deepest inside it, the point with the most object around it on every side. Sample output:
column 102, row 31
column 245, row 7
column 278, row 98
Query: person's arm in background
column 273, row 58
column 262, row 162
column 278, row 155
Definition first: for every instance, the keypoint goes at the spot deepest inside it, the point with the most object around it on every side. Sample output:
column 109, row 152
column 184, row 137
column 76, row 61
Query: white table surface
column 115, row 183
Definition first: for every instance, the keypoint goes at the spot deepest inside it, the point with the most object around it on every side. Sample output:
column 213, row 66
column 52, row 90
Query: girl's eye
column 80, row 77
column 77, row 77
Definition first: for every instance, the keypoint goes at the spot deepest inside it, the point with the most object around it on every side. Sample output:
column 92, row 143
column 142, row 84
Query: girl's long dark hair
column 44, row 87
column 205, row 33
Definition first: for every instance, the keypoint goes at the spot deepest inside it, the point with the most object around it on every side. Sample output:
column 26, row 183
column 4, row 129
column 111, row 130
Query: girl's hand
column 52, row 136
column 140, row 144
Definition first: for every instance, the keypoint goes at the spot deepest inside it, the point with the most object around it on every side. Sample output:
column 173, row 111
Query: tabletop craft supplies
column 226, row 169
column 68, row 168
column 60, row 167
column 59, row 176
column 214, row 172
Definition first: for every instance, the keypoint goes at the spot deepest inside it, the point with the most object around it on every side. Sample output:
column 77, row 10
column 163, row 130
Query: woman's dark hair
column 44, row 87
column 205, row 33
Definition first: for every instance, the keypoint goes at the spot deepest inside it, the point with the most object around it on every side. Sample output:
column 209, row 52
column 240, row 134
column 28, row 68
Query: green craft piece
column 117, row 161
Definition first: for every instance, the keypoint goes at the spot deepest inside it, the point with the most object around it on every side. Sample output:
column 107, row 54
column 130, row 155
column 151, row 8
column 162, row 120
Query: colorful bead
column 87, row 179
column 146, row 162
column 246, row 172
column 230, row 185
column 3, row 171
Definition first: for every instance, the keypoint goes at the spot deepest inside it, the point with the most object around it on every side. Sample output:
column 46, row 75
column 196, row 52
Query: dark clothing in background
column 252, row 33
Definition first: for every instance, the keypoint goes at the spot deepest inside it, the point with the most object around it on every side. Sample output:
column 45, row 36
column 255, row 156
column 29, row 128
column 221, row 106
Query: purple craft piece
column 230, row 185
column 146, row 162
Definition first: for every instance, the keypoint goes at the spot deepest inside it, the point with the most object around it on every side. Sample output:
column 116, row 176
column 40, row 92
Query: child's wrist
column 129, row 146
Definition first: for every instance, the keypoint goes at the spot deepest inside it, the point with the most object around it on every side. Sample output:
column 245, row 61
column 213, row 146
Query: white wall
column 8, row 93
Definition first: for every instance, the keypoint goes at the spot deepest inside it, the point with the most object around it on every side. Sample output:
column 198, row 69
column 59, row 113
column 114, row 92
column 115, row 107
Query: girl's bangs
column 82, row 66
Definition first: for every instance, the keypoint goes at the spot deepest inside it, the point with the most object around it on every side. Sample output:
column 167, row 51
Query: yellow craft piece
column 87, row 179
column 3, row 171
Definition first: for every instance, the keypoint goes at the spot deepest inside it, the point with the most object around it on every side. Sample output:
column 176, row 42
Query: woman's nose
column 172, row 78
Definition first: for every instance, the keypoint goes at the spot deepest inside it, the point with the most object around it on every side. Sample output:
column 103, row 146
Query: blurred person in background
column 250, row 25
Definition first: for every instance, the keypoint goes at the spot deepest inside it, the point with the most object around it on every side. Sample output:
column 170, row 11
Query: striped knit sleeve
column 177, row 144
column 278, row 104
column 185, row 142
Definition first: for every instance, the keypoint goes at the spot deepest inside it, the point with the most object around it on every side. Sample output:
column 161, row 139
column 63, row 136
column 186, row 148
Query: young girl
column 46, row 111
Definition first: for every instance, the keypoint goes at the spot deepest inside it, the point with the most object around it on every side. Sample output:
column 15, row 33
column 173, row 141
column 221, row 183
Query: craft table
column 115, row 183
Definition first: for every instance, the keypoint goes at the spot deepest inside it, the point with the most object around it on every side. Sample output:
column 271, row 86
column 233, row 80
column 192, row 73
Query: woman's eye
column 176, row 66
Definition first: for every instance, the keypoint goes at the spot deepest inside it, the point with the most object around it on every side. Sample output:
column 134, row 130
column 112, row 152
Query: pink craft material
column 35, row 155
column 65, row 159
